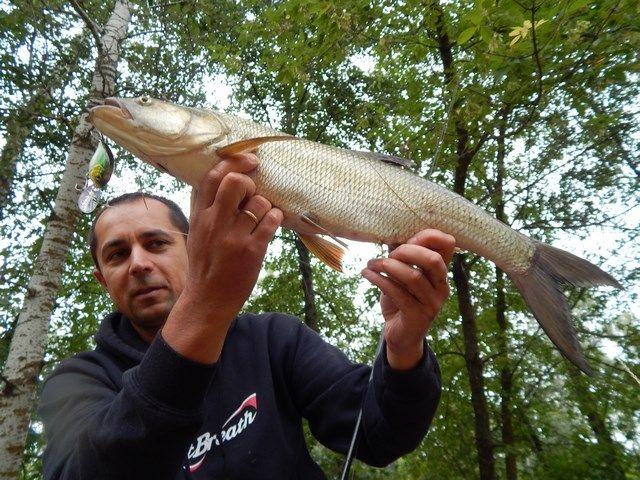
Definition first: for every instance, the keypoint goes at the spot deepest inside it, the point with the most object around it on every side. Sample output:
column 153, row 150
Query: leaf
column 576, row 5
column 486, row 34
column 476, row 17
column 466, row 35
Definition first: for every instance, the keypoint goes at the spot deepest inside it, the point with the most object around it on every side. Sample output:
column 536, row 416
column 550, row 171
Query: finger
column 233, row 190
column 406, row 302
column 208, row 186
column 259, row 206
column 411, row 279
column 429, row 261
column 436, row 240
column 267, row 227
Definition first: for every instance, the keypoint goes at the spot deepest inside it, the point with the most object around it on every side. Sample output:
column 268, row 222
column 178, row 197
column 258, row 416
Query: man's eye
column 157, row 243
column 116, row 255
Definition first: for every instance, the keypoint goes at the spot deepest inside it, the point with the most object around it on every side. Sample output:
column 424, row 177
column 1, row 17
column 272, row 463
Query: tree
column 26, row 352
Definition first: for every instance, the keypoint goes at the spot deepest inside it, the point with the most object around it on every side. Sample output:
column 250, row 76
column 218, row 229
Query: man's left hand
column 413, row 281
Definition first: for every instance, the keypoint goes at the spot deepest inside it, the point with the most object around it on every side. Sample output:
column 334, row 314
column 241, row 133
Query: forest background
column 529, row 108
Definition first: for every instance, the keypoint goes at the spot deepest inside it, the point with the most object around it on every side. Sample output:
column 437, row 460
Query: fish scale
column 373, row 201
column 351, row 194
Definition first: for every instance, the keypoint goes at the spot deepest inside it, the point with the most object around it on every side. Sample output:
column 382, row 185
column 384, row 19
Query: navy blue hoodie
column 133, row 410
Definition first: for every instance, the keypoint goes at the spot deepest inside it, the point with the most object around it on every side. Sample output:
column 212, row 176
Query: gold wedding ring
column 252, row 216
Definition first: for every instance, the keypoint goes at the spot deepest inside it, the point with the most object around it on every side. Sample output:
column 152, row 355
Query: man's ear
column 98, row 274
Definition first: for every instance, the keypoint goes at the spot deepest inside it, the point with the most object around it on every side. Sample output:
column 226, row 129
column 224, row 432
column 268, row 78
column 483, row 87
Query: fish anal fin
column 308, row 218
column 250, row 145
column 328, row 252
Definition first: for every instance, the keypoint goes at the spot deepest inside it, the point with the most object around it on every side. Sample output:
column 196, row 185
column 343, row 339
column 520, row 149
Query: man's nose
column 140, row 262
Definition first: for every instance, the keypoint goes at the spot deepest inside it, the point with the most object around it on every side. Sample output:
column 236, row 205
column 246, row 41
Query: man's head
column 138, row 245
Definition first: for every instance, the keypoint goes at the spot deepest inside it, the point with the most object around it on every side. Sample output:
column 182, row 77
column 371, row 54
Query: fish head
column 160, row 133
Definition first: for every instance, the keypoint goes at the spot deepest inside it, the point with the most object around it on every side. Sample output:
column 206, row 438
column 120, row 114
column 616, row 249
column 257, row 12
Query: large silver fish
column 356, row 195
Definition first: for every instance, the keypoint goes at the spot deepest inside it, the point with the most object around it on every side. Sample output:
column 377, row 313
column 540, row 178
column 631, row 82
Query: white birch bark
column 20, row 374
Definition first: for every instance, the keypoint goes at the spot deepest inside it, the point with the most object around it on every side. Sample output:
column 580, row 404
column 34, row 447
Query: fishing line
column 433, row 164
column 454, row 97
column 352, row 446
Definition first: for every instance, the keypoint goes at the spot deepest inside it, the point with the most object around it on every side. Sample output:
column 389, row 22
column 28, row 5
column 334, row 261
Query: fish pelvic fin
column 250, row 144
column 540, row 286
column 328, row 252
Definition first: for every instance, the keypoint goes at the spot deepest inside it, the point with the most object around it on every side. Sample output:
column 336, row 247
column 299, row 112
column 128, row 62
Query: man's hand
column 226, row 248
column 413, row 281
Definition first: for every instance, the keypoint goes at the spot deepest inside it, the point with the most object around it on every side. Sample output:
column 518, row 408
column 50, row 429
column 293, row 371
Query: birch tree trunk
column 28, row 344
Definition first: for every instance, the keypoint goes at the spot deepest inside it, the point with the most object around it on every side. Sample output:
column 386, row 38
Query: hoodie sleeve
column 397, row 406
column 140, row 432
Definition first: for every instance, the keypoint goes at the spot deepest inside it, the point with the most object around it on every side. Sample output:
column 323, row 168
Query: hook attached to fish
column 100, row 169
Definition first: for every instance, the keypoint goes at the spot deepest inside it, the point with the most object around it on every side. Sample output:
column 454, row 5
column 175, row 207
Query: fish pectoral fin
column 308, row 218
column 250, row 144
column 381, row 157
column 328, row 252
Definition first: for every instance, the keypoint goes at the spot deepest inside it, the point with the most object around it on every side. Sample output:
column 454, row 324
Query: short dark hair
column 176, row 216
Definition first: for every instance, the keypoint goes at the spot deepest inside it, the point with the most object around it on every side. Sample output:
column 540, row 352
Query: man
column 179, row 386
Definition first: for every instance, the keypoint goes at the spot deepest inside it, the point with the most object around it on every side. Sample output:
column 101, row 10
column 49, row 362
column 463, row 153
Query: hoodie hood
column 117, row 336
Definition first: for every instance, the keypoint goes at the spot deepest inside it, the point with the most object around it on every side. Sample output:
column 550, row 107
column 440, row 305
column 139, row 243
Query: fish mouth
column 113, row 102
column 112, row 108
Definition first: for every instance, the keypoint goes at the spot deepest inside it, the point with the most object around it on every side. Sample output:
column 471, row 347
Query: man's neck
column 145, row 334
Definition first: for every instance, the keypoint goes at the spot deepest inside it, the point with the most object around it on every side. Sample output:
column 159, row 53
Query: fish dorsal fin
column 328, row 252
column 392, row 159
column 250, row 144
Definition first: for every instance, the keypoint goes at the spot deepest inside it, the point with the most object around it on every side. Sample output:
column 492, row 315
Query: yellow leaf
column 514, row 32
column 515, row 39
column 527, row 24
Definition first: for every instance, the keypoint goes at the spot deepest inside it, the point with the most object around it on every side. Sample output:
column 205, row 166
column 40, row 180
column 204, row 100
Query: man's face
column 143, row 262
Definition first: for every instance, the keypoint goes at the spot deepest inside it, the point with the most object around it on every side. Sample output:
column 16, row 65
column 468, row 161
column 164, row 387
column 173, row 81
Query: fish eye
column 144, row 100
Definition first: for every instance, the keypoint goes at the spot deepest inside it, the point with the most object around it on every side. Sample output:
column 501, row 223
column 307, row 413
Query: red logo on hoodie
column 237, row 423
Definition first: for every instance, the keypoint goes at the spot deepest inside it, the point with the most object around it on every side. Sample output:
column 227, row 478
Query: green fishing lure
column 100, row 169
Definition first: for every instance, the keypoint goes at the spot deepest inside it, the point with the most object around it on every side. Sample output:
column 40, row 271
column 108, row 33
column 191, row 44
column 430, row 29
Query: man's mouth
column 146, row 291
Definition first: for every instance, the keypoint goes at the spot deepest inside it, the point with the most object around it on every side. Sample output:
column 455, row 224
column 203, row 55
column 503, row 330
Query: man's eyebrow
column 158, row 232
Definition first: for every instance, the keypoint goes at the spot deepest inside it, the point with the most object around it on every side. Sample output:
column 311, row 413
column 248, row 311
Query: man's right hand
column 226, row 249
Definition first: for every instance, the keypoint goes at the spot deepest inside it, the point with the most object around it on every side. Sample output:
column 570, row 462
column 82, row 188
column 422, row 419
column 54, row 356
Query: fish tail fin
column 540, row 287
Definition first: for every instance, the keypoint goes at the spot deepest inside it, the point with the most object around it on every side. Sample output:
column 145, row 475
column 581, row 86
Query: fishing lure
column 100, row 170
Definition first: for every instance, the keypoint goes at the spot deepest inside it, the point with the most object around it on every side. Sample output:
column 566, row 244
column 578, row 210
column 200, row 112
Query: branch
column 95, row 30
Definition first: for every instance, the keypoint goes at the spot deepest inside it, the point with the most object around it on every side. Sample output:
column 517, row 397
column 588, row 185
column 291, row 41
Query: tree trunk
column 304, row 263
column 484, row 443
column 28, row 344
column 588, row 405
column 19, row 126
column 506, row 374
